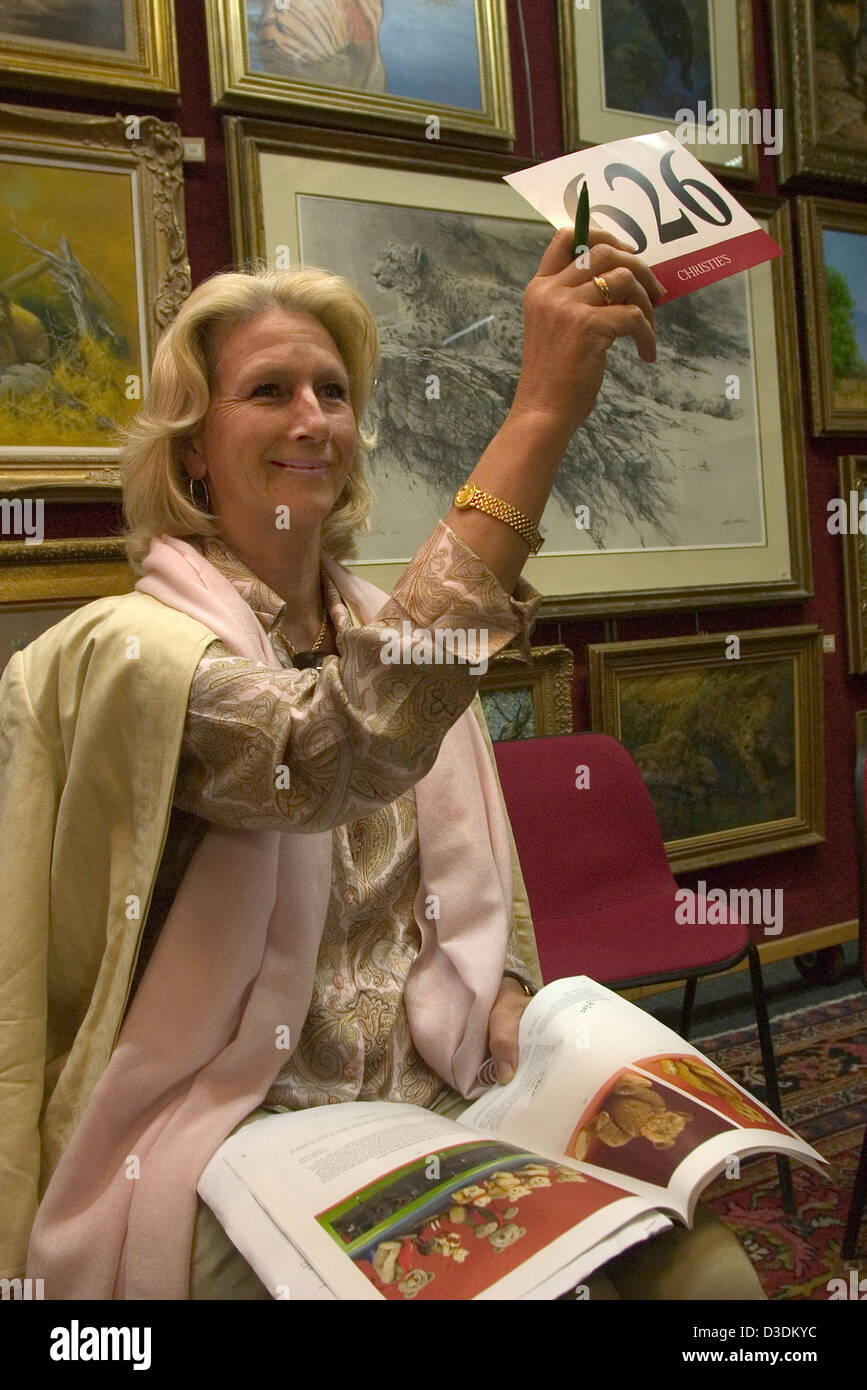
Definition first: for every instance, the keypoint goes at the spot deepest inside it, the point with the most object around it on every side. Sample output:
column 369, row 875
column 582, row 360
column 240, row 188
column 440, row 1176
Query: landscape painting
column 528, row 701
column 819, row 50
column 715, row 745
column 509, row 714
column 71, row 334
column 845, row 256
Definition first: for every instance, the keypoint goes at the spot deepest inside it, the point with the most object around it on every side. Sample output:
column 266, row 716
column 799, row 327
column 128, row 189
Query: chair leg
column 856, row 1205
column 686, row 1010
column 769, row 1066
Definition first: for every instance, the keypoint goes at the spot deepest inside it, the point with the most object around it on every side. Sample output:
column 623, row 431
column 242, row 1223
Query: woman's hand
column 568, row 327
column 509, row 1005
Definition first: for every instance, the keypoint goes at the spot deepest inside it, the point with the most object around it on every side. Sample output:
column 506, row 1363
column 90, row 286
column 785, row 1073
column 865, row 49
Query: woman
column 240, row 693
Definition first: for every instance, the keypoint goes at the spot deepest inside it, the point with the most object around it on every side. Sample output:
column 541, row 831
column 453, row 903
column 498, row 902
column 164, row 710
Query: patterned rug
column 822, row 1061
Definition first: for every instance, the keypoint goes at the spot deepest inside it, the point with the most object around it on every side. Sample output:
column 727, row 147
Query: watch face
column 463, row 495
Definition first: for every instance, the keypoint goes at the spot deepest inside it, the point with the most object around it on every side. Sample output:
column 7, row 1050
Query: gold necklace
column 320, row 638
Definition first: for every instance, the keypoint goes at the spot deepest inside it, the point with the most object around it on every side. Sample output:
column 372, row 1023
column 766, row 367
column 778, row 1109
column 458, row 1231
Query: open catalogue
column 610, row 1121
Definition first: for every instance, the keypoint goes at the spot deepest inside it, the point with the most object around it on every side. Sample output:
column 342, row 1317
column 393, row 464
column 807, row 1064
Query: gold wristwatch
column 471, row 496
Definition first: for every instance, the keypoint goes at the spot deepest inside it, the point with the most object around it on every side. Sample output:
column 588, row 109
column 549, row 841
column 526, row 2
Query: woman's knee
column 217, row 1269
column 707, row 1263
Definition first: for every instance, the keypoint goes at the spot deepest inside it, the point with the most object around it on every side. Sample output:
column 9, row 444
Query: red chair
column 601, row 893
column 859, row 1191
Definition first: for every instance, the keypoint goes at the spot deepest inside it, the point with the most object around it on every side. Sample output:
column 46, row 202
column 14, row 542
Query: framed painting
column 853, row 491
column 834, row 259
column 70, row 45
column 628, row 67
column 728, row 732
column 83, row 298
column 522, row 701
column 820, row 75
column 860, row 726
column 20, row 623
column 685, row 487
column 434, row 68
column 61, row 573
column 39, row 584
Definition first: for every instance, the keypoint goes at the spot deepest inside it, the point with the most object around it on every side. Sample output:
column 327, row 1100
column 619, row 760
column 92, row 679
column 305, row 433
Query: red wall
column 820, row 883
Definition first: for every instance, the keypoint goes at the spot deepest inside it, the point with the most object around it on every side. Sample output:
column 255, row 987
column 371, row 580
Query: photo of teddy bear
column 636, row 1127
column 634, row 1110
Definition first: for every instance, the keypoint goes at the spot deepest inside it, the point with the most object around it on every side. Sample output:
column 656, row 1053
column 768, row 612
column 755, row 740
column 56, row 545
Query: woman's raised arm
column 568, row 328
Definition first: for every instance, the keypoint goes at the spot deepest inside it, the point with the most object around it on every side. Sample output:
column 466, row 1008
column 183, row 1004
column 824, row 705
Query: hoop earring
column 198, row 506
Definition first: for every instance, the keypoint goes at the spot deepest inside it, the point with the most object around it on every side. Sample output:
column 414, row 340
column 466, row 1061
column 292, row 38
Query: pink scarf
column 235, row 963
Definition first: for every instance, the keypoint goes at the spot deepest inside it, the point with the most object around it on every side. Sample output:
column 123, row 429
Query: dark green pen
column 580, row 243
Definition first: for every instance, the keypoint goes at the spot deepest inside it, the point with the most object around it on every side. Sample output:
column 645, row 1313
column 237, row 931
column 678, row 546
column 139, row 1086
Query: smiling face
column 279, row 431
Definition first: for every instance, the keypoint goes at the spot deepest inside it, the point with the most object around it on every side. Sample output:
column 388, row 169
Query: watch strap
column 471, row 496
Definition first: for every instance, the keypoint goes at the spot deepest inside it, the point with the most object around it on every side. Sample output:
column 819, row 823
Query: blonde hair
column 156, row 495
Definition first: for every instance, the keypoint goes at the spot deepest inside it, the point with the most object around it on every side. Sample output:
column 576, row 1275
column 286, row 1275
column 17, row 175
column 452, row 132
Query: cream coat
column 87, row 769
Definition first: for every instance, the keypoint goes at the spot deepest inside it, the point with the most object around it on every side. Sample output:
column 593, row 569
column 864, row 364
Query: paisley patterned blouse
column 356, row 735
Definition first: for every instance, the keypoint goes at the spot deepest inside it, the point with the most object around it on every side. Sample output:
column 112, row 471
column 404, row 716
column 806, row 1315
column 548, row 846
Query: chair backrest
column 861, row 830
column 584, row 824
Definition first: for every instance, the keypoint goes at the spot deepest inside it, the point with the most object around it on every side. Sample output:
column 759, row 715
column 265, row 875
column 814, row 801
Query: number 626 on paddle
column 654, row 195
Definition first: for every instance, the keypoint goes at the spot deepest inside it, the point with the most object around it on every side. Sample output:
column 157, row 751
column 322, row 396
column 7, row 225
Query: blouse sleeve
column 277, row 748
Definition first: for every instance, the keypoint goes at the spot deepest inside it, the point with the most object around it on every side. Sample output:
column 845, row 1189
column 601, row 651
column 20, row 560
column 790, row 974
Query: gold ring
column 602, row 286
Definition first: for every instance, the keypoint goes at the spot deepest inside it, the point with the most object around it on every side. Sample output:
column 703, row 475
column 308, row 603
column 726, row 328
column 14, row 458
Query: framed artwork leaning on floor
column 522, row 701
column 728, row 731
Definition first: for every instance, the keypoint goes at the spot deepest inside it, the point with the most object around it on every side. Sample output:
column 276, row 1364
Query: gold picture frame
column 592, row 111
column 834, row 260
column 267, row 62
column 825, row 118
column 852, row 472
column 138, row 52
column 62, row 573
column 528, row 701
column 728, row 731
column 91, row 294
column 298, row 193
